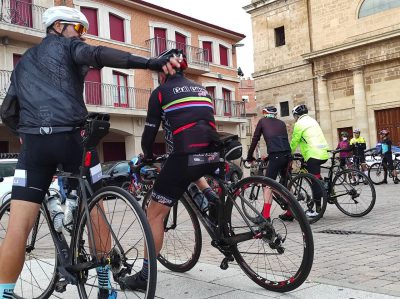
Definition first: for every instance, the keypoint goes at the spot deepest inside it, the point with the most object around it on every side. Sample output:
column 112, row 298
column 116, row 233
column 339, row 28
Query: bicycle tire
column 301, row 258
column 301, row 187
column 105, row 199
column 174, row 260
column 354, row 191
column 377, row 173
column 38, row 280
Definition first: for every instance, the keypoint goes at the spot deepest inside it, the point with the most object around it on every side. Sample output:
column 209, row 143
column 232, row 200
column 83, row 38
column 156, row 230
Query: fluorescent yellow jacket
column 308, row 134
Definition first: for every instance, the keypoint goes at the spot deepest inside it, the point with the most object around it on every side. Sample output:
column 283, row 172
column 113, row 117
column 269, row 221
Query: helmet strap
column 56, row 32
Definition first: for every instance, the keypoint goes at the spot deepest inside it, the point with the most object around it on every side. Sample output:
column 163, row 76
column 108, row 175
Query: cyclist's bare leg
column 101, row 232
column 156, row 214
column 12, row 251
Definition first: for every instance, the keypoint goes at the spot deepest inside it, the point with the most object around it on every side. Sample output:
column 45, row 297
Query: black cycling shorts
column 39, row 158
column 178, row 172
column 357, row 160
column 314, row 166
column 277, row 164
column 388, row 161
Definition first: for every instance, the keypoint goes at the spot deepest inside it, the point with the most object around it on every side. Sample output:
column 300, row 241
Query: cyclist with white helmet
column 48, row 85
column 308, row 134
column 358, row 145
column 386, row 152
column 278, row 149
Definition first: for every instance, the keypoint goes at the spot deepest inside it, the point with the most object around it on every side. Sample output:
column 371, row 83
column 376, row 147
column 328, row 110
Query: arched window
column 370, row 7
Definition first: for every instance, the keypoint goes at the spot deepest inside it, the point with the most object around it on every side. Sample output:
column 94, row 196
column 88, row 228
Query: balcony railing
column 229, row 108
column 114, row 96
column 4, row 82
column 22, row 13
column 194, row 55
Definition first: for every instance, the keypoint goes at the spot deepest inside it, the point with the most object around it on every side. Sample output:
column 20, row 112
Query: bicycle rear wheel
column 39, row 273
column 276, row 255
column 377, row 173
column 306, row 188
column 121, row 231
column 355, row 199
column 182, row 236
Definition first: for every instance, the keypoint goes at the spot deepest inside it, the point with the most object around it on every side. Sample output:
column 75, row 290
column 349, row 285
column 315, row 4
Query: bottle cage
column 96, row 127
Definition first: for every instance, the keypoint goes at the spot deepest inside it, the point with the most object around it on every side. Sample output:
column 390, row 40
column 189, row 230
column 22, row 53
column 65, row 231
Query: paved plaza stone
column 360, row 265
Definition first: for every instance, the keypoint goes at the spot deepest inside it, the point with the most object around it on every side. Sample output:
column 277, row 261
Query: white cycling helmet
column 64, row 13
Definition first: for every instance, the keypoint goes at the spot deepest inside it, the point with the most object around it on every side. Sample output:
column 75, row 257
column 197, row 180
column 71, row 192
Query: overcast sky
column 228, row 14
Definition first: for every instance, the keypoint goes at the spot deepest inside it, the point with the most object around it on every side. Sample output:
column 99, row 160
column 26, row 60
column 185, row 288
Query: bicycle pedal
column 225, row 262
column 61, row 286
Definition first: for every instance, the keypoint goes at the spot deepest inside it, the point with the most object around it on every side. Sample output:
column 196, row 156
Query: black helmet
column 270, row 110
column 299, row 110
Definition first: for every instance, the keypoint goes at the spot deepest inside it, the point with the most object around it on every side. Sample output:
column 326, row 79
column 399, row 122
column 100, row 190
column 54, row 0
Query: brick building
column 142, row 29
column 341, row 58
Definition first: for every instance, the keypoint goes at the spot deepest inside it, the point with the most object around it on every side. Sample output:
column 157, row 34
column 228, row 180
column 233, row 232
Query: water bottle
column 326, row 184
column 56, row 212
column 198, row 197
column 70, row 206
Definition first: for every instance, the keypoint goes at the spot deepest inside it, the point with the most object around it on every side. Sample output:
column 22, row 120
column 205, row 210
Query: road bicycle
column 378, row 171
column 277, row 256
column 350, row 190
column 109, row 230
column 306, row 188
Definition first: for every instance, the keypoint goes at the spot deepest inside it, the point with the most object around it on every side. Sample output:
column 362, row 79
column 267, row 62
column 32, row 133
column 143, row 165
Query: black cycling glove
column 156, row 64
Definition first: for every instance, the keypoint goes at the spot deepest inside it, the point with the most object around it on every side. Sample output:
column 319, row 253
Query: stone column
column 360, row 104
column 325, row 110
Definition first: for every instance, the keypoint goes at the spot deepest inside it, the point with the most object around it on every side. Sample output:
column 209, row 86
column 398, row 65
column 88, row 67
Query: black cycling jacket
column 48, row 82
column 187, row 113
column 275, row 135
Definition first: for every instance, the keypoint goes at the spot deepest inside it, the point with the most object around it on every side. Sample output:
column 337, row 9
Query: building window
column 21, row 12
column 284, row 108
column 180, row 40
column 223, row 55
column 370, row 7
column 117, row 28
column 91, row 15
column 16, row 59
column 226, row 94
column 93, row 87
column 120, row 94
column 160, row 35
column 279, row 36
column 208, row 54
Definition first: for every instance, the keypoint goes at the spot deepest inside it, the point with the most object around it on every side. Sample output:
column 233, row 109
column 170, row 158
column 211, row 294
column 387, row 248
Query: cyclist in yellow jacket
column 313, row 146
column 358, row 145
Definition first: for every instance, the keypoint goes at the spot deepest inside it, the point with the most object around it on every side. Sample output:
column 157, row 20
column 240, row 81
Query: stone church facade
column 341, row 58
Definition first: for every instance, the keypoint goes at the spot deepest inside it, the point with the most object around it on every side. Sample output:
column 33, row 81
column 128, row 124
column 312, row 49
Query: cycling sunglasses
column 78, row 27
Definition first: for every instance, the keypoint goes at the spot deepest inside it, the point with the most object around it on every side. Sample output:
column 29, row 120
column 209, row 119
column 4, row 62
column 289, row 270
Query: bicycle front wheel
column 377, row 173
column 355, row 198
column 275, row 254
column 39, row 273
column 310, row 194
column 182, row 236
column 121, row 232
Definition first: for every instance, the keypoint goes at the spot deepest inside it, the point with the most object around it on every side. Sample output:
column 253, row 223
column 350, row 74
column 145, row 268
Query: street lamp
column 234, row 46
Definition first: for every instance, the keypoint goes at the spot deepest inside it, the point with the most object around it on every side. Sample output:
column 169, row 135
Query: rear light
column 227, row 167
column 88, row 158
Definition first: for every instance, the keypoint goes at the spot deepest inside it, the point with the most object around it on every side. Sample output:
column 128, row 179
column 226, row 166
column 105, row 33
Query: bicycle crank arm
column 70, row 278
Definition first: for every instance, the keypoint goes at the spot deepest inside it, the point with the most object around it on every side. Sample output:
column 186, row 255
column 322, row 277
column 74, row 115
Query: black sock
column 144, row 273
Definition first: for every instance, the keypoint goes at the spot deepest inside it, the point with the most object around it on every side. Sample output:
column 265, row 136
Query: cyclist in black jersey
column 47, row 85
column 278, row 149
column 187, row 113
